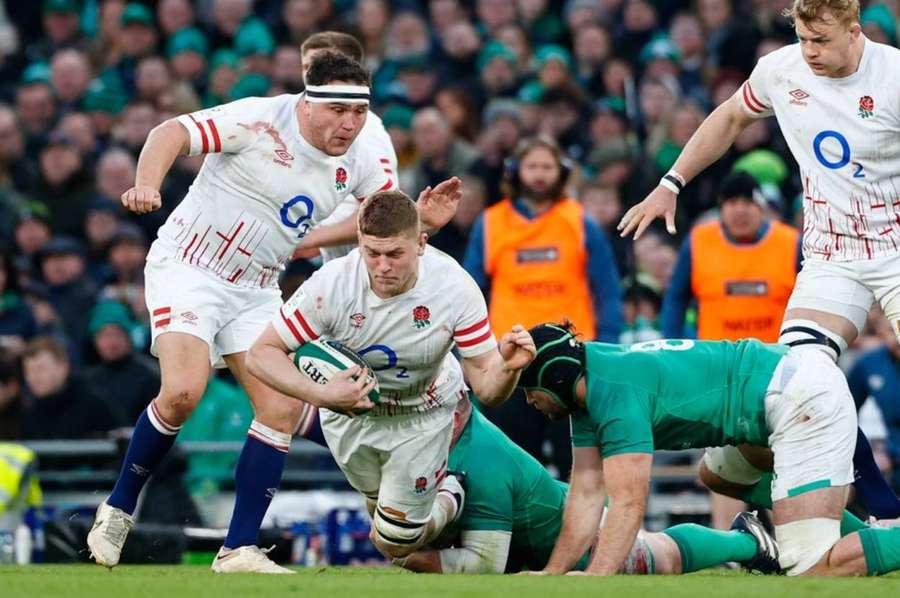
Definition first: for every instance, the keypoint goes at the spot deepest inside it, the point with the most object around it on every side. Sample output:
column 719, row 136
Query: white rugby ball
column 321, row 359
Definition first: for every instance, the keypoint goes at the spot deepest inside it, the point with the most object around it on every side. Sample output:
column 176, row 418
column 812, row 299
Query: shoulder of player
column 784, row 58
column 450, row 270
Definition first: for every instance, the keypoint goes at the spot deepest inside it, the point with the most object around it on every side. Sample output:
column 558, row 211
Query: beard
column 550, row 194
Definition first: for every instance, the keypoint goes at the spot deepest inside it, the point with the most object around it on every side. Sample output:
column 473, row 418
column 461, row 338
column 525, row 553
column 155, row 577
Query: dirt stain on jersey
column 282, row 155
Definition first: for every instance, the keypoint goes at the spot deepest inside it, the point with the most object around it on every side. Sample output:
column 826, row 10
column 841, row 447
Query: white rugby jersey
column 376, row 139
column 405, row 339
column 845, row 135
column 261, row 189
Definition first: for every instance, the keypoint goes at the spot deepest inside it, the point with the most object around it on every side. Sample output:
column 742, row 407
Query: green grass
column 197, row 582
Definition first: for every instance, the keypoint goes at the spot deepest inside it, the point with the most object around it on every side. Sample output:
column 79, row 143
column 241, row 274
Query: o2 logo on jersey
column 834, row 137
column 390, row 359
column 296, row 213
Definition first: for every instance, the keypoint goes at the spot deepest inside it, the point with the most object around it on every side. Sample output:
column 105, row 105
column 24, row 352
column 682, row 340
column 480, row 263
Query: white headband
column 354, row 94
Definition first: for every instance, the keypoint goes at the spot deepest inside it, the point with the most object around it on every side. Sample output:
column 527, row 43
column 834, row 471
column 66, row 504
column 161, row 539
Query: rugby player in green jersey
column 513, row 513
column 625, row 401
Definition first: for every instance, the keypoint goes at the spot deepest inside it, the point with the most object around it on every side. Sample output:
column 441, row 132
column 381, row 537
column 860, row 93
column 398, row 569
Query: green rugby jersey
column 675, row 394
column 508, row 490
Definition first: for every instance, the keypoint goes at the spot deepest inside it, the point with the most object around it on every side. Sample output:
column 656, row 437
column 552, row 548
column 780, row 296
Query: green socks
column 702, row 547
column 881, row 548
column 851, row 523
column 759, row 495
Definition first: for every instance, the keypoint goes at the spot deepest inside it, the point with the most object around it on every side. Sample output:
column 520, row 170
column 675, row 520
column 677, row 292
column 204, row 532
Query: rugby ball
column 320, row 359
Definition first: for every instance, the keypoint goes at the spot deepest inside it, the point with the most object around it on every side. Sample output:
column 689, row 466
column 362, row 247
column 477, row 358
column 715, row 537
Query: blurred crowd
column 621, row 85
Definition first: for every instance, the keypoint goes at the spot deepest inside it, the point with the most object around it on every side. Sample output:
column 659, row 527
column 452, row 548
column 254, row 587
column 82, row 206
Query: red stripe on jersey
column 217, row 143
column 474, row 341
column 306, row 327
column 753, row 96
column 389, row 171
column 203, row 138
column 748, row 101
column 385, row 161
column 292, row 328
column 162, row 310
column 387, row 185
column 471, row 328
column 161, row 323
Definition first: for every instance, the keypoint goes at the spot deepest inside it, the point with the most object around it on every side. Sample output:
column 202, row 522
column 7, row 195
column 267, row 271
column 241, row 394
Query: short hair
column 388, row 214
column 343, row 43
column 45, row 344
column 10, row 371
column 332, row 66
column 845, row 11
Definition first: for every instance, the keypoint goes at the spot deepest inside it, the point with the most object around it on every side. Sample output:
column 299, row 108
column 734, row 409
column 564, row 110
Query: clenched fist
column 142, row 199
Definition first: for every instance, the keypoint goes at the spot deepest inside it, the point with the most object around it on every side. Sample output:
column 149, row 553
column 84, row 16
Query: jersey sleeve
column 626, row 427
column 582, row 431
column 304, row 317
column 375, row 173
column 755, row 91
column 221, row 129
column 472, row 331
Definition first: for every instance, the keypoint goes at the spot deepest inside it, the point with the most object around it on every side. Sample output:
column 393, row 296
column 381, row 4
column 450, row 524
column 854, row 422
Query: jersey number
column 845, row 157
column 391, row 359
column 297, row 221
column 663, row 345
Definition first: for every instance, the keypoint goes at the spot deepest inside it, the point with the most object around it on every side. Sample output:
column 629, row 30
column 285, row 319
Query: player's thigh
column 250, row 311
column 182, row 299
column 415, row 468
column 812, row 425
column 354, row 445
column 270, row 407
column 832, row 295
column 883, row 276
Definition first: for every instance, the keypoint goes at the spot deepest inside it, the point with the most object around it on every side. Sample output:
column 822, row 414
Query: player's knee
column 724, row 470
column 177, row 403
column 810, row 334
column 279, row 412
column 395, row 537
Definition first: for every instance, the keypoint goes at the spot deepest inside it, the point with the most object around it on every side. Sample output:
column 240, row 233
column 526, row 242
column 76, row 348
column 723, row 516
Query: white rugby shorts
column 229, row 318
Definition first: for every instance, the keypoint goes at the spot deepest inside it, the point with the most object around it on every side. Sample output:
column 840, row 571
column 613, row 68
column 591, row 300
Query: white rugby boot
column 247, row 559
column 107, row 536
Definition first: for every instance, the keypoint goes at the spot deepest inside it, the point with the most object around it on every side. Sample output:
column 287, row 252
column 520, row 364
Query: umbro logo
column 798, row 96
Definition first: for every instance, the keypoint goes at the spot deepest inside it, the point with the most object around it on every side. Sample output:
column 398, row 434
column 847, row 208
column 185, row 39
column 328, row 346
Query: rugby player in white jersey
column 402, row 306
column 836, row 96
column 277, row 167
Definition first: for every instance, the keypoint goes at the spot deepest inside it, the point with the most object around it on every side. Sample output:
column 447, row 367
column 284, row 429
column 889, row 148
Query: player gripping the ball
column 401, row 305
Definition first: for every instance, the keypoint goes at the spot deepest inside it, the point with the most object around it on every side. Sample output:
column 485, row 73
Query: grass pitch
column 45, row 581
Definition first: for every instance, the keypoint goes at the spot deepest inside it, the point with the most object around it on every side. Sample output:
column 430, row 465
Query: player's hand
column 437, row 206
column 517, row 348
column 660, row 203
column 304, row 251
column 142, row 199
column 344, row 394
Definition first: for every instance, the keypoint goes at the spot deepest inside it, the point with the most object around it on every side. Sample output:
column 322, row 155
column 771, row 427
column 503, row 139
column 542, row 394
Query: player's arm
column 494, row 374
column 269, row 360
column 627, row 479
column 712, row 139
column 584, row 506
column 165, row 143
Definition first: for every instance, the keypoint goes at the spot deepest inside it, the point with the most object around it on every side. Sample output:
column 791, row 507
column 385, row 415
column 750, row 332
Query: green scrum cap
column 557, row 366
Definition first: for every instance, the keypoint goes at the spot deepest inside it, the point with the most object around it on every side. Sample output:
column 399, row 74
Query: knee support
column 396, row 532
column 728, row 463
column 800, row 333
column 803, row 543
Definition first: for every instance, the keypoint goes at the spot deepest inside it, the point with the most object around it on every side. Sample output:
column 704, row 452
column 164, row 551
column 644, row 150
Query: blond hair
column 843, row 11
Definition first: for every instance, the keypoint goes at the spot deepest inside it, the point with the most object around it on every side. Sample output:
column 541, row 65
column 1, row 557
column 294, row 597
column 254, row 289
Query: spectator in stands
column 70, row 75
column 17, row 323
column 10, row 395
column 70, row 290
column 593, row 46
column 255, row 45
column 441, row 154
column 100, row 225
column 115, row 174
column 137, row 121
column 539, row 258
column 127, row 254
column 35, row 106
column 32, row 233
column 59, row 404
column 174, row 15
column 187, row 51
column 494, row 14
column 744, row 291
column 287, row 70
column 61, row 28
column 501, row 131
column 603, row 203
column 876, row 375
column 498, row 71
column 64, row 185
column 79, row 127
column 17, row 169
column 461, row 44
column 128, row 377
